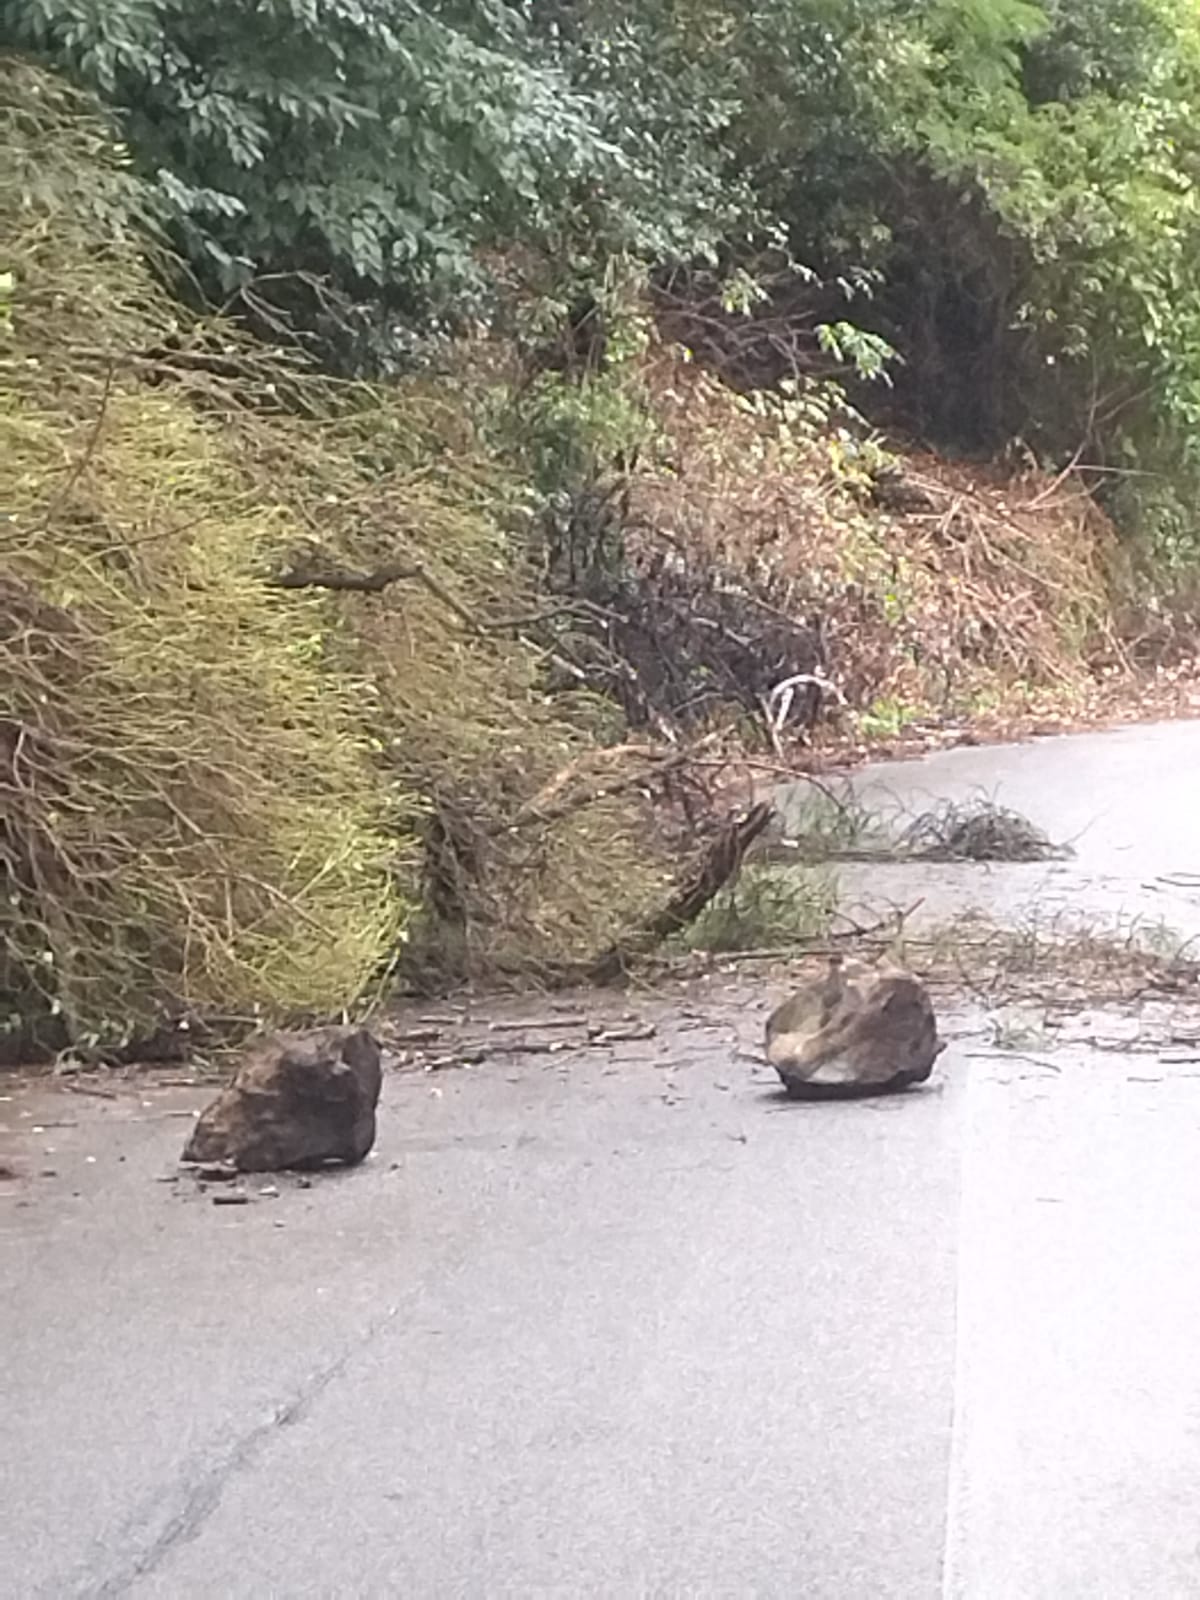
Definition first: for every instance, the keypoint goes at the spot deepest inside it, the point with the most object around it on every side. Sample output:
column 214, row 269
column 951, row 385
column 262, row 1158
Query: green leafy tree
column 1002, row 190
column 372, row 149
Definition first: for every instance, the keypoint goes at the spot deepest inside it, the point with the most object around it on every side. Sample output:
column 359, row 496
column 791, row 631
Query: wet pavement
column 616, row 1320
column 1127, row 803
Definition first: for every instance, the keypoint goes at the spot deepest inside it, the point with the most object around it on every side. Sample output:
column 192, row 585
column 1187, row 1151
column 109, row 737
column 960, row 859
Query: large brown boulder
column 298, row 1100
column 859, row 1030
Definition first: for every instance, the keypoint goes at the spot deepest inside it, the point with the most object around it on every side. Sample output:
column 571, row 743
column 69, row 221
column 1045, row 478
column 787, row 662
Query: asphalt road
column 625, row 1324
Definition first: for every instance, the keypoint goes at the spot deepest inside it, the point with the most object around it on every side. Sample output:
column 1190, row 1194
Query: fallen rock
column 298, row 1100
column 859, row 1030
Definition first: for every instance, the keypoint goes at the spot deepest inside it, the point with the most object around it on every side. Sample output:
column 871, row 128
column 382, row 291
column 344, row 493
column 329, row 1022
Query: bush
column 266, row 688
column 350, row 166
column 192, row 820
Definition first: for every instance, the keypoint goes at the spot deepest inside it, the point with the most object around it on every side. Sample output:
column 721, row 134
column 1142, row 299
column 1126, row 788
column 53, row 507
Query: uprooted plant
column 828, row 820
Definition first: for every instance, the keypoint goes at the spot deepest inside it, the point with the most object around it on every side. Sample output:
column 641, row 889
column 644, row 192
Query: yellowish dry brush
column 190, row 815
column 224, row 789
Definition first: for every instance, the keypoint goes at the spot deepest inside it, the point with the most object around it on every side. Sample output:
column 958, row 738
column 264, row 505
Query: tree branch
column 345, row 580
column 544, row 810
column 721, row 862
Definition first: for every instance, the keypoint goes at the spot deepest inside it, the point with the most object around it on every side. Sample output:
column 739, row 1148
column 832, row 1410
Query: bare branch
column 89, row 450
column 721, row 863
column 346, row 581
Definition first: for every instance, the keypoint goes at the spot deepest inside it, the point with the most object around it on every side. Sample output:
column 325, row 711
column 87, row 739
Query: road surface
column 624, row 1323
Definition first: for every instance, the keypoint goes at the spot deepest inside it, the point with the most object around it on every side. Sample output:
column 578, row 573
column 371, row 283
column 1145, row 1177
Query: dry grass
column 191, row 817
column 968, row 592
column 1057, row 965
column 1059, row 962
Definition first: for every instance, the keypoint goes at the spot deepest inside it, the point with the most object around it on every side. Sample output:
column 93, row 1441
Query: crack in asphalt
column 181, row 1513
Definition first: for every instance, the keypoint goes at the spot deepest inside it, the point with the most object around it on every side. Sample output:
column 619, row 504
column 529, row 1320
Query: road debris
column 298, row 1100
column 979, row 830
column 855, row 1030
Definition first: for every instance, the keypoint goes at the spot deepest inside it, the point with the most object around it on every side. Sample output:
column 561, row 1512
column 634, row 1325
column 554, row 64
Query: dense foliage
column 368, row 152
column 1003, row 189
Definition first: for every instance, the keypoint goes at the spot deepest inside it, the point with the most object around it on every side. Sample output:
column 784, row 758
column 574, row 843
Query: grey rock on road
column 297, row 1100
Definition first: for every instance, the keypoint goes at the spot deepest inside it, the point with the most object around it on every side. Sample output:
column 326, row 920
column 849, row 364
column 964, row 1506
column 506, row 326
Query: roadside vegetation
column 441, row 442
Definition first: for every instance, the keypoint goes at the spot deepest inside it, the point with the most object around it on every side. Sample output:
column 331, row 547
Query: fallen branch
column 721, row 863
column 81, row 465
column 477, row 1051
column 534, row 1023
column 345, row 580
